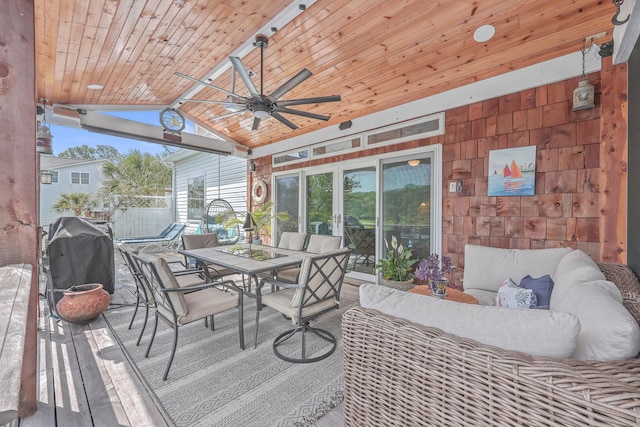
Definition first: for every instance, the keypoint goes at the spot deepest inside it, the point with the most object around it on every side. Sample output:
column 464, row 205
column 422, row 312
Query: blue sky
column 66, row 137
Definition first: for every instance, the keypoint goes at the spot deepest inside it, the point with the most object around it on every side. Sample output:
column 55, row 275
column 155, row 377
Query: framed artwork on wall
column 512, row 171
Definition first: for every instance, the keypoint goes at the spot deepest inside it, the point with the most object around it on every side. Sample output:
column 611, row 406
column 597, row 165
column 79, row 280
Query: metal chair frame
column 317, row 271
column 161, row 296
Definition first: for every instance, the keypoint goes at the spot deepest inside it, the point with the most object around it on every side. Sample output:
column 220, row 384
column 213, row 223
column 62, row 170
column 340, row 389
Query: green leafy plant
column 262, row 216
column 398, row 263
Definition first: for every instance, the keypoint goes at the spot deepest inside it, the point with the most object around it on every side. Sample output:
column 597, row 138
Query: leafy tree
column 77, row 203
column 135, row 174
column 90, row 153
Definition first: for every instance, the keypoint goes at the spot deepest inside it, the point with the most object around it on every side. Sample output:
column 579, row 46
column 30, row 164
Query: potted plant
column 433, row 271
column 262, row 218
column 396, row 267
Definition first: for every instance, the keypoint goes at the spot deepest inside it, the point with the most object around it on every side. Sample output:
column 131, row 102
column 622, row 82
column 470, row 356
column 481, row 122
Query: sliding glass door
column 366, row 202
column 319, row 203
column 406, row 203
column 287, row 199
column 359, row 216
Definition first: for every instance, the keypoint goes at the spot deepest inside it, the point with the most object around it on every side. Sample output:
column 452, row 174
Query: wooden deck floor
column 85, row 378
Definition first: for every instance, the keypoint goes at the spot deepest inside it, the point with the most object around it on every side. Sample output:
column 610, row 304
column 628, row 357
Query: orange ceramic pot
column 83, row 303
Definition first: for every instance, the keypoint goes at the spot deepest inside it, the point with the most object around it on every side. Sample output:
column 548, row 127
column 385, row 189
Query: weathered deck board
column 85, row 378
column 15, row 288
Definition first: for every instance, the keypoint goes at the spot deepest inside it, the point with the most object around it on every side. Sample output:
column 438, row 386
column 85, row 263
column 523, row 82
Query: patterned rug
column 214, row 383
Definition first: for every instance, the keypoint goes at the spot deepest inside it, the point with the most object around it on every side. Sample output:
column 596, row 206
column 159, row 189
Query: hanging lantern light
column 584, row 94
column 44, row 138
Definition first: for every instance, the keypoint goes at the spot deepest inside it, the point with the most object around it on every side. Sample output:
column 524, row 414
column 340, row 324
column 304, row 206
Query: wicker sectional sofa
column 400, row 373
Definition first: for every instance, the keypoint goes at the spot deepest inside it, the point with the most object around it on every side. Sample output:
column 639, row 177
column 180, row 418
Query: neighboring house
column 67, row 176
column 199, row 178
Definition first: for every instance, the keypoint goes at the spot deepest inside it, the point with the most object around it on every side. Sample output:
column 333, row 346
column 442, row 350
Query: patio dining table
column 251, row 260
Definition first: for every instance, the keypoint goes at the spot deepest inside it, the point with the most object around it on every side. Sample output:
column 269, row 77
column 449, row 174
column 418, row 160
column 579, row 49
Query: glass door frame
column 338, row 168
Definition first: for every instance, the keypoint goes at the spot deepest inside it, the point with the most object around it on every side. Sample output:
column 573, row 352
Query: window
column 195, row 197
column 80, row 177
column 54, row 177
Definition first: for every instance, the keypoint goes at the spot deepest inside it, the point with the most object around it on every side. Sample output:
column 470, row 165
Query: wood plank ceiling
column 376, row 54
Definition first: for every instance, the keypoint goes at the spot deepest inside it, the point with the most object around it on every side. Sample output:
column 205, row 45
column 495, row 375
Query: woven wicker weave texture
column 401, row 374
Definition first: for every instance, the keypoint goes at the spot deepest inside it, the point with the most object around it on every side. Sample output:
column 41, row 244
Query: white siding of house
column 49, row 193
column 225, row 178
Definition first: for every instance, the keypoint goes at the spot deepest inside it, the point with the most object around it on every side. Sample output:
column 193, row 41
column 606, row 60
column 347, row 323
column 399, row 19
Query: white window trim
column 363, row 136
column 80, row 174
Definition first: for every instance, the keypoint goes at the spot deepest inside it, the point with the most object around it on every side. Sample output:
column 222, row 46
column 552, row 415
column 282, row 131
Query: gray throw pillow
column 542, row 287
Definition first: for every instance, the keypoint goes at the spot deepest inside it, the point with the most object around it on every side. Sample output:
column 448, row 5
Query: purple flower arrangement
column 431, row 268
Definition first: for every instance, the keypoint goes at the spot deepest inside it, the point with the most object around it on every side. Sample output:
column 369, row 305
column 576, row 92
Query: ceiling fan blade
column 284, row 121
column 317, row 100
column 193, row 79
column 302, row 113
column 242, row 72
column 256, row 123
column 206, row 101
column 294, row 81
column 224, row 116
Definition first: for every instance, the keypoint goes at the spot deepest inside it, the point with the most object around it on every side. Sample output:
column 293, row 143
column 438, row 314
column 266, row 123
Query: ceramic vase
column 439, row 287
column 83, row 303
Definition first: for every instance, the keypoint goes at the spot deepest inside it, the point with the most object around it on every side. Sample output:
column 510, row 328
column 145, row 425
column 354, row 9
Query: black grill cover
column 80, row 252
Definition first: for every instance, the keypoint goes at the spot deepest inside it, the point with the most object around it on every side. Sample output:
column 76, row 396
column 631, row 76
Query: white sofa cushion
column 536, row 332
column 576, row 267
column 608, row 331
column 486, row 268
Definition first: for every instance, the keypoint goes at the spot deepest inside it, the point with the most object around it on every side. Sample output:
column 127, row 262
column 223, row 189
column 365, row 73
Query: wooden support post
column 613, row 163
column 19, row 188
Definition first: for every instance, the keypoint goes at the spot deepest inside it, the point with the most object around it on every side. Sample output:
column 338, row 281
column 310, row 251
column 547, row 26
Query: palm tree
column 136, row 174
column 74, row 202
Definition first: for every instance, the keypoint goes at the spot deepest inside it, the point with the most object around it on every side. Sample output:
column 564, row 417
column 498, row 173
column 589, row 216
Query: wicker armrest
column 399, row 373
column 627, row 282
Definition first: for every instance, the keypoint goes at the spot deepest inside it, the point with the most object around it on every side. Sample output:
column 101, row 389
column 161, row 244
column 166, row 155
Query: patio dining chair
column 316, row 293
column 210, row 272
column 144, row 296
column 180, row 306
column 318, row 244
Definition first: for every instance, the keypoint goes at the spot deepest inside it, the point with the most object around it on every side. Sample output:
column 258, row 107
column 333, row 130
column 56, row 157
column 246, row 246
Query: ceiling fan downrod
column 261, row 42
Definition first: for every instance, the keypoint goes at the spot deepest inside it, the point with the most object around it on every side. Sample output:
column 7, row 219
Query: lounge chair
column 162, row 235
column 168, row 242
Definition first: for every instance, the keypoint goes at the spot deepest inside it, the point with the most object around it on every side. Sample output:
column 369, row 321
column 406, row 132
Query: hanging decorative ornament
column 44, row 138
column 584, row 94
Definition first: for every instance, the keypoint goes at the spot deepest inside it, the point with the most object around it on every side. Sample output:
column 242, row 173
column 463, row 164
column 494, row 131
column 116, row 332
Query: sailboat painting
column 512, row 172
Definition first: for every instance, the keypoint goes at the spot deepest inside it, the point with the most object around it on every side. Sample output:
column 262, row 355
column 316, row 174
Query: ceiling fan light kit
column 264, row 106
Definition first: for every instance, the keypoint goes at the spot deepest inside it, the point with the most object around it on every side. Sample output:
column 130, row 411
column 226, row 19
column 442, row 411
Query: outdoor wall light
column 44, row 138
column 46, row 177
column 584, row 94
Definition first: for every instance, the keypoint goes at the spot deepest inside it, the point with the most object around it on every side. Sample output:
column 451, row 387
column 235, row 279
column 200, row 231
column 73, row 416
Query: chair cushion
column 320, row 244
column 281, row 301
column 196, row 241
column 486, row 267
column 292, row 240
column 207, row 302
column 169, row 281
column 609, row 331
column 536, row 332
column 574, row 268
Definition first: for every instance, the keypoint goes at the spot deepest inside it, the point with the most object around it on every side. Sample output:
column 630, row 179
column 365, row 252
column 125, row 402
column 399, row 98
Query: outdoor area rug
column 214, row 383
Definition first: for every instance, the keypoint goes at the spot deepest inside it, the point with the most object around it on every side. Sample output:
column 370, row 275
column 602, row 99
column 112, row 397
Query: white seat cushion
column 609, row 331
column 536, row 332
column 486, row 267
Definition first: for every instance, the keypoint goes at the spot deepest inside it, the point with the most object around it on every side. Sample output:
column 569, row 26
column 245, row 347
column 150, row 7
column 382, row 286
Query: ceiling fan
column 263, row 106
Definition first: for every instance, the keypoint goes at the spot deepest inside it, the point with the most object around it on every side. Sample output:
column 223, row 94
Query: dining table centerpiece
column 434, row 271
column 397, row 267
